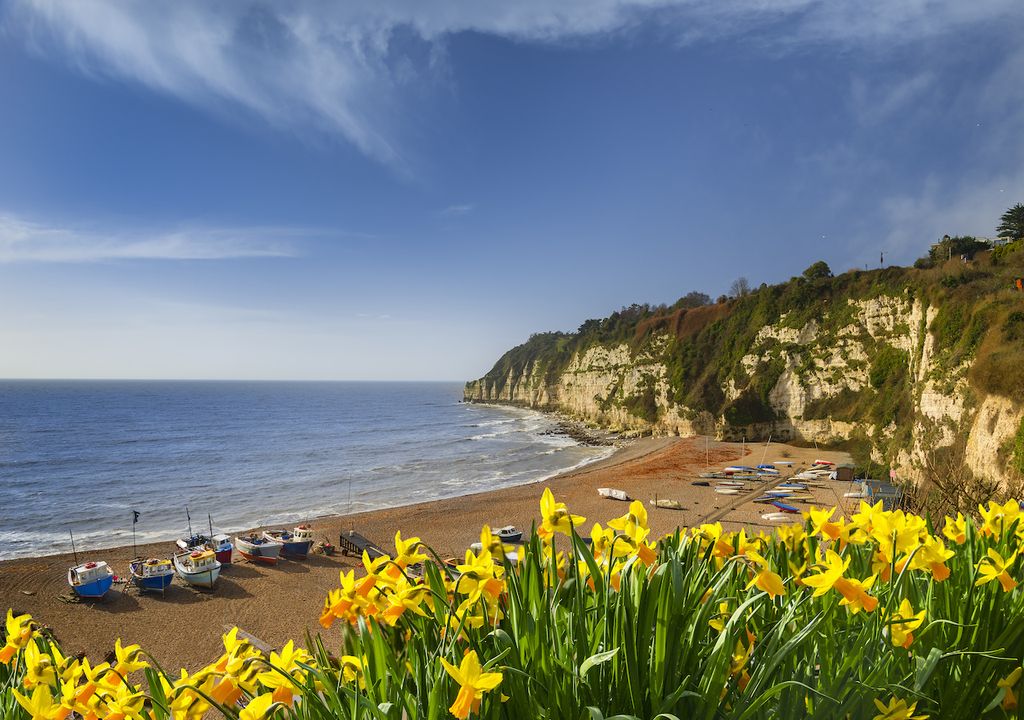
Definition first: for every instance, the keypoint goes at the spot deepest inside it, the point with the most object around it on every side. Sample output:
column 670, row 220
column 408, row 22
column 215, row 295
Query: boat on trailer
column 151, row 574
column 294, row 544
column 257, row 548
column 198, row 568
column 91, row 580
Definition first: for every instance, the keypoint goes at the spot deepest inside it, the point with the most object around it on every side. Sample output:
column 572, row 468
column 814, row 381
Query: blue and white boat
column 295, row 544
column 152, row 574
column 91, row 580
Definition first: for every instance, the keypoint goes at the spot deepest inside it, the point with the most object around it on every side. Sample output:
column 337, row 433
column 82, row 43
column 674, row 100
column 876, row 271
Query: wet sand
column 275, row 604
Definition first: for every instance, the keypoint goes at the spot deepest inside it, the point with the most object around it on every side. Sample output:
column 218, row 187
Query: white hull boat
column 198, row 568
column 613, row 494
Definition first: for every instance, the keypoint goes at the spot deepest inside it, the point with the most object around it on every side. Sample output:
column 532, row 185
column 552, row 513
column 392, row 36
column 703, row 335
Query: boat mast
column 210, row 518
column 189, row 523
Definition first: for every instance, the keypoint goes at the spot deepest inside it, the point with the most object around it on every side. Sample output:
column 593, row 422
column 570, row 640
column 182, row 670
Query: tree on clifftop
column 818, row 271
column 1012, row 225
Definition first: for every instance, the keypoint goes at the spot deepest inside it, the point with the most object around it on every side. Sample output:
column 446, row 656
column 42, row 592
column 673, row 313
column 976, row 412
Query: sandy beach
column 275, row 604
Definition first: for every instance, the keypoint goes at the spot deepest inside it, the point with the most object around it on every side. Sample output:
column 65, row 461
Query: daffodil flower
column 40, row 705
column 260, row 707
column 555, row 517
column 19, row 631
column 765, row 579
column 897, row 710
column 473, row 684
column 1008, row 683
column 903, row 623
column 994, row 567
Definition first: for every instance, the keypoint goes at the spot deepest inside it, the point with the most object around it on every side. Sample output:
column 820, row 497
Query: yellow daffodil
column 897, row 710
column 994, row 567
column 831, row 572
column 955, row 530
column 19, row 631
column 352, row 669
column 125, row 703
column 999, row 518
column 855, row 594
column 127, row 661
column 473, row 683
column 39, row 705
column 902, row 624
column 555, row 517
column 1008, row 683
column 764, row 578
column 718, row 621
column 260, row 707
column 39, row 667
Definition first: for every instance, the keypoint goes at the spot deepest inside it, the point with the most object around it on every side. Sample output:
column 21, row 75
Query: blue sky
column 403, row 190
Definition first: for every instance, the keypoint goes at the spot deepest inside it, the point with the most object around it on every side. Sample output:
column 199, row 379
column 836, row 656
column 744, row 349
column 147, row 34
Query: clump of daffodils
column 529, row 631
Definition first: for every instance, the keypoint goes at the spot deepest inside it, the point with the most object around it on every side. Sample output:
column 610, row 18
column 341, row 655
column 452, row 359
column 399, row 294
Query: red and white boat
column 258, row 548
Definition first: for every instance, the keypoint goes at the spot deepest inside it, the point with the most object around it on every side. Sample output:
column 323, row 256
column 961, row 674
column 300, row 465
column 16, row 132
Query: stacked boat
column 294, row 544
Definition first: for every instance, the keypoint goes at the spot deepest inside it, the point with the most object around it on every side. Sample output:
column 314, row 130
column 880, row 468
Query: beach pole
column 210, row 518
column 73, row 550
column 707, row 451
column 350, row 526
column 189, row 523
column 135, row 519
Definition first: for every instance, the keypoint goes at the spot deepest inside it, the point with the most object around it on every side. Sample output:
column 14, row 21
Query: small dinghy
column 776, row 517
column 613, row 494
column 509, row 534
column 295, row 544
column 730, row 483
column 152, row 574
column 727, row 491
column 198, row 568
column 823, row 463
column 740, row 469
column 791, row 486
column 257, row 548
column 701, row 483
column 91, row 580
column 667, row 504
column 786, row 508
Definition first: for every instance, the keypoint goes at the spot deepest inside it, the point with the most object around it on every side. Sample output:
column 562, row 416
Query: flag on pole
column 135, row 519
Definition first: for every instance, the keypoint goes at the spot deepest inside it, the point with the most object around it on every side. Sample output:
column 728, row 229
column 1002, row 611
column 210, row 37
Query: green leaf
column 596, row 659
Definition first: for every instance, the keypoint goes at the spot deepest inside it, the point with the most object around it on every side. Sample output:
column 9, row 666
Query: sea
column 82, row 456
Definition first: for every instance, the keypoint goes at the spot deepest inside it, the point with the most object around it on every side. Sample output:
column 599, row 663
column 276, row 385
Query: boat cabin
column 201, row 559
column 89, row 572
column 302, row 534
column 221, row 541
column 154, row 567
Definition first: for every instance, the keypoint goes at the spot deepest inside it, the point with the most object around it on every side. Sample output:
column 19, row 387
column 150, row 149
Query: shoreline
column 279, row 603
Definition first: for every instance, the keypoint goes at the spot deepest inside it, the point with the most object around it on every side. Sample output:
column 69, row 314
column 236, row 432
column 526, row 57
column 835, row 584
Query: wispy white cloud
column 457, row 210
column 344, row 67
column 25, row 241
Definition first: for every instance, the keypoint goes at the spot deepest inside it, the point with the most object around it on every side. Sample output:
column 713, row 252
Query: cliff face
column 892, row 369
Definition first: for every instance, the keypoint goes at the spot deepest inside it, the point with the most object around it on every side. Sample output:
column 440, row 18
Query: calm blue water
column 80, row 455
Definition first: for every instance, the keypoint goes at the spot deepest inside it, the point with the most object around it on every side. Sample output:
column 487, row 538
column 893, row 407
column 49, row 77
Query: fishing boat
column 91, row 580
column 193, row 542
column 151, row 574
column 222, row 547
column 613, row 494
column 509, row 534
column 198, row 567
column 257, row 548
column 667, row 504
column 295, row 544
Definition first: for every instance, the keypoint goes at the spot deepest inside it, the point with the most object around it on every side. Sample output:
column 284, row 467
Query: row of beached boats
column 198, row 561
